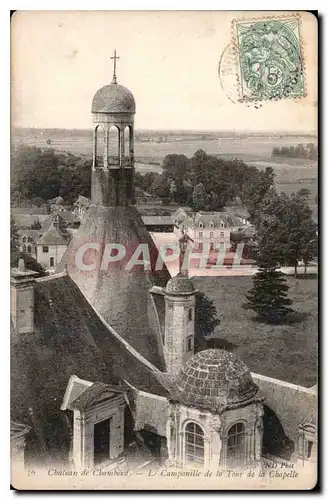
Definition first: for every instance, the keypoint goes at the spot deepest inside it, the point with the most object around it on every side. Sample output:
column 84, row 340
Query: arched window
column 127, row 141
column 113, row 143
column 194, row 444
column 24, row 239
column 99, row 145
column 236, row 445
column 24, row 248
column 29, row 249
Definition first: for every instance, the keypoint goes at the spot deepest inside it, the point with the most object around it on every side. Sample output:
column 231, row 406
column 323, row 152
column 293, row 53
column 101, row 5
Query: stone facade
column 22, row 299
column 83, row 431
column 215, row 430
column 49, row 256
column 179, row 331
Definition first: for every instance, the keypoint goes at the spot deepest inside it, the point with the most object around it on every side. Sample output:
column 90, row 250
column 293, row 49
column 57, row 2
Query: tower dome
column 180, row 285
column 214, row 380
column 113, row 98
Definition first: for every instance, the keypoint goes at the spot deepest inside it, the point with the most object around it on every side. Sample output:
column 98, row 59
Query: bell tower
column 113, row 110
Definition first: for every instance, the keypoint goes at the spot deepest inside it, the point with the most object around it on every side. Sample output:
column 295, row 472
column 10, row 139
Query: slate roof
column 157, row 220
column 82, row 200
column 52, row 237
column 216, row 218
column 180, row 285
column 287, row 407
column 121, row 296
column 27, row 220
column 70, row 338
column 208, row 219
column 214, row 380
column 87, row 397
column 113, row 98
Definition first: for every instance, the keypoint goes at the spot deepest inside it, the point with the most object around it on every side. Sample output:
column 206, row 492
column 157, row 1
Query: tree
column 14, row 236
column 301, row 231
column 286, row 231
column 206, row 320
column 257, row 186
column 303, row 193
column 199, row 196
column 160, row 187
column 269, row 296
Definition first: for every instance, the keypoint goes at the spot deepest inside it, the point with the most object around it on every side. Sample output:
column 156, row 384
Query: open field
column 292, row 174
column 286, row 352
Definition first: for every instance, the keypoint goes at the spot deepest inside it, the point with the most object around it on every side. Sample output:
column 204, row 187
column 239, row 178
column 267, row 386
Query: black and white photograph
column 164, row 250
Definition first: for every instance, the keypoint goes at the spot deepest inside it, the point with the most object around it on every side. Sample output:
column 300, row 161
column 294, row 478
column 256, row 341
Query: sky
column 168, row 59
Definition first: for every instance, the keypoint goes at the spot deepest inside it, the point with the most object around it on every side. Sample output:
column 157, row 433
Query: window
column 194, row 444
column 222, row 224
column 190, row 314
column 200, row 234
column 308, row 448
column 236, row 445
column 211, row 234
column 222, row 234
column 201, row 225
column 29, row 248
column 211, row 224
column 24, row 239
column 45, row 249
column 189, row 343
column 30, row 239
column 24, row 248
column 52, row 262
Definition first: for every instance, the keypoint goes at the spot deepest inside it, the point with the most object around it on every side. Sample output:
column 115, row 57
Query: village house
column 211, row 228
column 51, row 245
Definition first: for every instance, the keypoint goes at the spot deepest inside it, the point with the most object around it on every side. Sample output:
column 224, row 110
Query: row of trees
column 309, row 151
column 205, row 182
column 202, row 181
column 38, row 175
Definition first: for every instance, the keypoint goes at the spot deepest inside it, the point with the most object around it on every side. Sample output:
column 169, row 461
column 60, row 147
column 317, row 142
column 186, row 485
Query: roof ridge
column 126, row 344
column 52, row 276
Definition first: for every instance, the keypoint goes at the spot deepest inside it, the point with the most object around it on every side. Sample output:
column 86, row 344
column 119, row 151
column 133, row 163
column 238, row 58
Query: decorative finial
column 115, row 57
column 183, row 244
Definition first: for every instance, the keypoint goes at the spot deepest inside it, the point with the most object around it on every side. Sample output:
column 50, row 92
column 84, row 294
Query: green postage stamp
column 269, row 58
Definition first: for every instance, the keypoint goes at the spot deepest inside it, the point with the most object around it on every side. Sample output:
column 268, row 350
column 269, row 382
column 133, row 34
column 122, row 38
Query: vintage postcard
column 164, row 250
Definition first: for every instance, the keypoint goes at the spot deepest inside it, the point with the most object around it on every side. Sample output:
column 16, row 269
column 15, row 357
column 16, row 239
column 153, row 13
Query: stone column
column 106, row 147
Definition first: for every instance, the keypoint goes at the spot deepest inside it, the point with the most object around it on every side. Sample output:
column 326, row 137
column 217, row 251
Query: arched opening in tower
column 127, row 143
column 99, row 146
column 113, row 145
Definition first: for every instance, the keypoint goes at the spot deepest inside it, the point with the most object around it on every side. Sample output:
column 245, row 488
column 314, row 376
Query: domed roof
column 214, row 380
column 113, row 98
column 180, row 285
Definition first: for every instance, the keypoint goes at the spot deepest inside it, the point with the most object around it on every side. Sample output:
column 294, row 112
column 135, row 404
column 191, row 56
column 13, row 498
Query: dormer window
column 211, row 224
column 201, row 225
column 221, row 224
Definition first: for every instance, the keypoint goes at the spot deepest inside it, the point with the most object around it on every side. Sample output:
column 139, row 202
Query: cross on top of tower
column 114, row 57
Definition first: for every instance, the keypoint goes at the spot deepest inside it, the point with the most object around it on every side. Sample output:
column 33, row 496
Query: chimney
column 22, row 283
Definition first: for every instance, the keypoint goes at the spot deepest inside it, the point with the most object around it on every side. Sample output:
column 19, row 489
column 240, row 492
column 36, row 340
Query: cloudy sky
column 169, row 60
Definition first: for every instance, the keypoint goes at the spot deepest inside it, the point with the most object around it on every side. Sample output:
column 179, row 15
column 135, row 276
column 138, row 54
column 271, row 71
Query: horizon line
column 232, row 131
